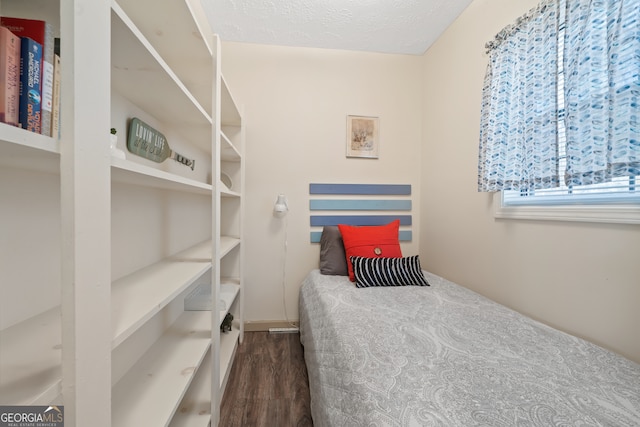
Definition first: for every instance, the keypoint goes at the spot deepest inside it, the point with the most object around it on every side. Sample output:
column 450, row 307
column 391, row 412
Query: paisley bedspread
column 446, row 356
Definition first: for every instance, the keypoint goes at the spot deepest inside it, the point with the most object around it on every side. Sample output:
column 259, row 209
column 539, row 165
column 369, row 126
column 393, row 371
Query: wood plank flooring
column 268, row 384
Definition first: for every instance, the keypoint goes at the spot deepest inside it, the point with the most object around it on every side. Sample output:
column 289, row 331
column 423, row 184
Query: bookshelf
column 31, row 253
column 229, row 213
column 102, row 251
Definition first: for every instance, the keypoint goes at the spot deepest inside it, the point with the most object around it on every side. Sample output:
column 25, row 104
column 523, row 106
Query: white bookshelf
column 151, row 392
column 30, row 303
column 228, row 207
column 102, row 329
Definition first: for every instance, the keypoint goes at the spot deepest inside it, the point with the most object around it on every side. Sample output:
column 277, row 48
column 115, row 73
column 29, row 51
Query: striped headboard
column 359, row 204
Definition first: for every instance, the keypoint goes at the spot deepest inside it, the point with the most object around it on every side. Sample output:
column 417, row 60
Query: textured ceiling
column 388, row 26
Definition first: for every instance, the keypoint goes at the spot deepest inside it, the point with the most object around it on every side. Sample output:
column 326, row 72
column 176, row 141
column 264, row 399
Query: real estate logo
column 31, row 416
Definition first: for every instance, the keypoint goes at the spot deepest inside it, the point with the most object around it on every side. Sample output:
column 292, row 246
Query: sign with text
column 31, row 416
column 145, row 141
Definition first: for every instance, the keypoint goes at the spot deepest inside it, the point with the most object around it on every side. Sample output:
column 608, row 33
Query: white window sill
column 614, row 214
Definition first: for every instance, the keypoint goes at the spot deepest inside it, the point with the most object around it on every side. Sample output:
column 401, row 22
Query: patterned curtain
column 518, row 134
column 602, row 67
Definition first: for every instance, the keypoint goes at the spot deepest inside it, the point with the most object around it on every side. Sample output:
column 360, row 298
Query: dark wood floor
column 268, row 384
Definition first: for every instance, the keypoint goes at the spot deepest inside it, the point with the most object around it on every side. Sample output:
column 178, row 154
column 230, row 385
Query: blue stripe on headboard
column 359, row 205
column 322, row 220
column 377, row 189
column 403, row 236
column 348, row 201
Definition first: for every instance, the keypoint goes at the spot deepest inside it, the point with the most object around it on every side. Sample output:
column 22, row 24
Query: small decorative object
column 149, row 143
column 226, row 323
column 115, row 151
column 362, row 136
column 226, row 180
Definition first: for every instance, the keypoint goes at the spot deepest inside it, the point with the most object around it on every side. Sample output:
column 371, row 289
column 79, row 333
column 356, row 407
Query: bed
column 442, row 355
column 436, row 354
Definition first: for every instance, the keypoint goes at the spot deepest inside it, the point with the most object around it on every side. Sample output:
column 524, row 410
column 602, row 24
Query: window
column 560, row 134
column 618, row 190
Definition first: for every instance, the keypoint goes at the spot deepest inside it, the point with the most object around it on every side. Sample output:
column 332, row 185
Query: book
column 41, row 32
column 9, row 76
column 30, row 86
column 55, row 108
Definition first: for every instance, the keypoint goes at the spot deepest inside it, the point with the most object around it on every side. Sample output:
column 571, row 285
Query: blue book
column 30, row 85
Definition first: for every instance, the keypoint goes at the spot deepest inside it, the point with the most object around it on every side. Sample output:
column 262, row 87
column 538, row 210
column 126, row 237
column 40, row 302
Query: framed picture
column 363, row 138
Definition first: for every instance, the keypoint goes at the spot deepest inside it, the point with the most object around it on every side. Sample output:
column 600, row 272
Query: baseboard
column 265, row 325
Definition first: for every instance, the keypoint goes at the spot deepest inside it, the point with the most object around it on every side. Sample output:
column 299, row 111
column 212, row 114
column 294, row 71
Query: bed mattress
column 446, row 356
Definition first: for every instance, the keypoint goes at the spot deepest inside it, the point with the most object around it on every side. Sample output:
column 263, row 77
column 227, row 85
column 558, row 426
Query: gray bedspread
column 446, row 356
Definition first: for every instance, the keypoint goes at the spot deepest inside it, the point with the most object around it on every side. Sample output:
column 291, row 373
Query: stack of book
column 29, row 75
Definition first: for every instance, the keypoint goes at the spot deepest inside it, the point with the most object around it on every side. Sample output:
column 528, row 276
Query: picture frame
column 363, row 136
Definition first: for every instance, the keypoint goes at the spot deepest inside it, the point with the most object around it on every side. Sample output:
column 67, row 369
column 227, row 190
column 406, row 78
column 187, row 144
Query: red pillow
column 370, row 242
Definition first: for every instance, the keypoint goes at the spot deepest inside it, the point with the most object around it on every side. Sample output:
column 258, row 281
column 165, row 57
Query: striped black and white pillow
column 388, row 271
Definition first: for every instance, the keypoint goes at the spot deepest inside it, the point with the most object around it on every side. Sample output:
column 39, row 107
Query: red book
column 9, row 76
column 41, row 32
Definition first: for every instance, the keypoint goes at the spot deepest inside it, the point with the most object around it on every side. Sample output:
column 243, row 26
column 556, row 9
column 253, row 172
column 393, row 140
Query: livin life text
column 150, row 141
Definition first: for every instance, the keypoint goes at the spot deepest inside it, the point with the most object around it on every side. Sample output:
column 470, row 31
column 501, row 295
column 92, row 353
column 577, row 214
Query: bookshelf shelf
column 22, row 149
column 29, row 140
column 227, row 244
column 137, row 297
column 228, row 152
column 150, row 392
column 30, row 351
column 230, row 113
column 225, row 192
column 200, row 252
column 195, row 409
column 229, row 290
column 128, row 172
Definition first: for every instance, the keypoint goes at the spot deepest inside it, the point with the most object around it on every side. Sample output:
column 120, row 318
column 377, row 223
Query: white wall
column 295, row 105
column 579, row 277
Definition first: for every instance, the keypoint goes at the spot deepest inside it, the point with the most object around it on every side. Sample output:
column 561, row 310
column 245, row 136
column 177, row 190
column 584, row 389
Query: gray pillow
column 333, row 259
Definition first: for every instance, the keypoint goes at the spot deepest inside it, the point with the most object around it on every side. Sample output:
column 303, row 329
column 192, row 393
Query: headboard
column 359, row 204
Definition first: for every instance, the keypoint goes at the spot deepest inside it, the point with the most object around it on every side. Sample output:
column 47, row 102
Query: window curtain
column 518, row 133
column 602, row 90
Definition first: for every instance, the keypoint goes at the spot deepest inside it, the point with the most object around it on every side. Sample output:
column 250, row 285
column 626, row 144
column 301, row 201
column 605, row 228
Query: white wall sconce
column 281, row 208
